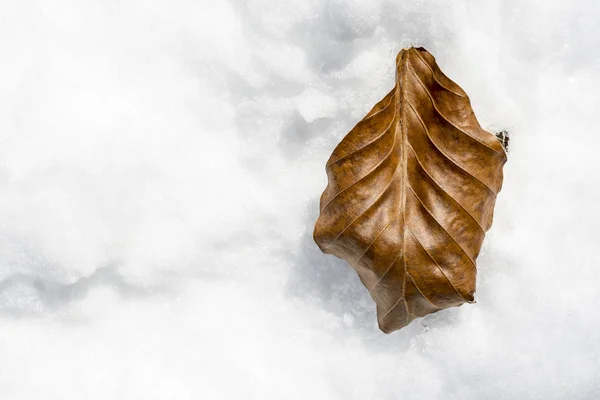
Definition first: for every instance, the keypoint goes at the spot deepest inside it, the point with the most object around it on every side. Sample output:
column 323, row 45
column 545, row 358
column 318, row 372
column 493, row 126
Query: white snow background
column 160, row 169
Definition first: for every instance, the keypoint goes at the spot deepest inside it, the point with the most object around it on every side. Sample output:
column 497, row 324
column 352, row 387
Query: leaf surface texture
column 411, row 193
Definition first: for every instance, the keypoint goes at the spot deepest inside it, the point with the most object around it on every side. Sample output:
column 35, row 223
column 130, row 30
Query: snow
column 160, row 169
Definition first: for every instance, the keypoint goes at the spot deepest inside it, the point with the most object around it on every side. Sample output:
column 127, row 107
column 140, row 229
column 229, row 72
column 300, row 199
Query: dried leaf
column 411, row 193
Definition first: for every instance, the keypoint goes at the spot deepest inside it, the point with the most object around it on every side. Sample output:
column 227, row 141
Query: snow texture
column 160, row 169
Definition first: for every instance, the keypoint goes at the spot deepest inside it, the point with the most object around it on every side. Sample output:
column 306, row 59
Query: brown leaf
column 411, row 193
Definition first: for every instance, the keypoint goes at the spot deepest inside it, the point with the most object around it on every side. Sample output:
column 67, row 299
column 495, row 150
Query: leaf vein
column 443, row 190
column 386, row 271
column 381, row 110
column 421, row 292
column 361, row 178
column 444, row 153
column 435, row 262
column 387, row 187
column 436, row 79
column 440, row 225
column 446, row 118
column 374, row 240
column 379, row 136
